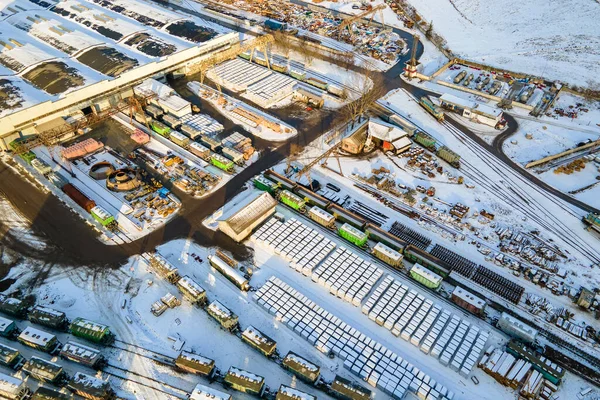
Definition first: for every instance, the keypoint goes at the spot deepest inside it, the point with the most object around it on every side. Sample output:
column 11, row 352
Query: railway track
column 528, row 203
column 143, row 352
column 122, row 375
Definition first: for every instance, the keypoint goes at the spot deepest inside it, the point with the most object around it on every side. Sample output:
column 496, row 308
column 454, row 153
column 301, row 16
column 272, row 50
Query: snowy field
column 530, row 37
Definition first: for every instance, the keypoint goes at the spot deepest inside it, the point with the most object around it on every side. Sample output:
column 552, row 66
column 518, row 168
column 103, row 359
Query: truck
column 291, row 200
column 353, row 235
column 81, row 199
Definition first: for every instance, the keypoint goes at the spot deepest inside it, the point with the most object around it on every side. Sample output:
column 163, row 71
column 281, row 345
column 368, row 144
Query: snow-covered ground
column 557, row 40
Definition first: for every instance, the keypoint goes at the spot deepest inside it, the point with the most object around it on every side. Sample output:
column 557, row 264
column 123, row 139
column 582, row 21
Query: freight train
column 442, row 152
column 432, row 108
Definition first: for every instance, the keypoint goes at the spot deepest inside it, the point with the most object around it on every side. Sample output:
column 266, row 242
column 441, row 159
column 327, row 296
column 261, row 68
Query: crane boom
column 349, row 21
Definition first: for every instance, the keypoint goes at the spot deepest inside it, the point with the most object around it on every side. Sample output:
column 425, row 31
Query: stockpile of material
column 410, row 315
column 505, row 368
column 302, row 246
column 81, row 149
column 362, row 356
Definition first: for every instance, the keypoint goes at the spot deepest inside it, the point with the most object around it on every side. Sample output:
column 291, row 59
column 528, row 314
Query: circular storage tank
column 101, row 170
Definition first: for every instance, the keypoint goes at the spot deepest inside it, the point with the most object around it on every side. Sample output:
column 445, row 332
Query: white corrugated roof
column 384, row 131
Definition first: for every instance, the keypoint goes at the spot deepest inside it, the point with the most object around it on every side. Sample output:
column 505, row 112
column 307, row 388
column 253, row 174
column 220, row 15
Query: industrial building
column 38, row 339
column 388, row 136
column 48, row 317
column 91, row 331
column 195, row 364
column 202, row 392
column 82, row 354
column 238, row 221
column 468, row 301
column 226, row 318
column 43, row 370
column 244, row 381
column 191, row 290
column 165, row 97
column 259, row 341
column 355, row 143
column 302, row 368
column 472, row 110
column 517, row 329
column 90, row 387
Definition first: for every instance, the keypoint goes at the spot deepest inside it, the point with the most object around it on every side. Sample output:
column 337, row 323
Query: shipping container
column 171, row 121
column 179, row 139
column 82, row 354
column 91, row 331
column 353, row 235
column 388, row 255
column 78, row 197
column 291, row 200
column 222, row 163
column 160, row 128
column 199, row 150
column 102, row 216
column 321, row 217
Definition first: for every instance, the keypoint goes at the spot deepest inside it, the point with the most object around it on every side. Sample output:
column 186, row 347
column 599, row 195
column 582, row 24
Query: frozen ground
column 557, row 40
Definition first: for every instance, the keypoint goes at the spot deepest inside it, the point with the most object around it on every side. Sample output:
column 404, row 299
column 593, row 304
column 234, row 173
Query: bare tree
column 365, row 90
column 283, row 42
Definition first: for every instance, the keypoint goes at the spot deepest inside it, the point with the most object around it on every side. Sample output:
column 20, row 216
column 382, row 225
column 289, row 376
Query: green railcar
column 301, row 76
column 425, row 140
column 449, row 156
column 92, row 331
column 353, row 235
column 160, row 128
column 28, row 156
column 222, row 163
column 290, row 199
column 102, row 216
column 426, row 277
column 264, row 184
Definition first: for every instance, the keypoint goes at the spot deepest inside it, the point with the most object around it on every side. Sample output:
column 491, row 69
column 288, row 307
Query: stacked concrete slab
column 362, row 356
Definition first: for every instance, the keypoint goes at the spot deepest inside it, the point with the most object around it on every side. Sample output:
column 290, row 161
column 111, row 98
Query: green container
column 297, row 75
column 425, row 277
column 353, row 235
column 28, row 157
column 160, row 128
column 89, row 330
column 290, row 199
column 264, row 184
column 102, row 216
column 424, row 140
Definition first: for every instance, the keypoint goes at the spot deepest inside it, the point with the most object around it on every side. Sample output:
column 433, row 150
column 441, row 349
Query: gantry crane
column 347, row 23
column 260, row 42
column 305, row 171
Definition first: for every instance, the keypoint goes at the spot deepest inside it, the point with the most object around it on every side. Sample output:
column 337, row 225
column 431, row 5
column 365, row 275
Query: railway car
column 346, row 216
column 343, row 388
column 317, row 83
column 245, row 55
column 425, row 140
column 154, row 111
column 311, row 197
column 336, row 90
column 388, row 255
column 38, row 339
column 291, row 200
column 425, row 276
column 233, row 275
column 78, row 197
column 28, row 156
column 82, row 354
column 284, row 182
column 42, row 370
column 233, row 155
column 301, row 76
column 353, row 235
column 90, row 387
column 259, row 341
column 379, row 235
column 190, row 131
column 179, row 139
column 10, row 357
column 264, row 184
column 449, row 156
column 211, row 143
column 417, row 255
column 321, row 217
column 301, row 367
column 102, row 216
column 592, row 220
column 199, row 150
column 92, row 331
column 222, row 163
column 46, row 393
column 196, row 364
column 401, row 122
column 48, row 317
column 432, row 108
column 171, row 121
column 160, row 128
column 282, row 68
column 8, row 328
column 223, row 315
